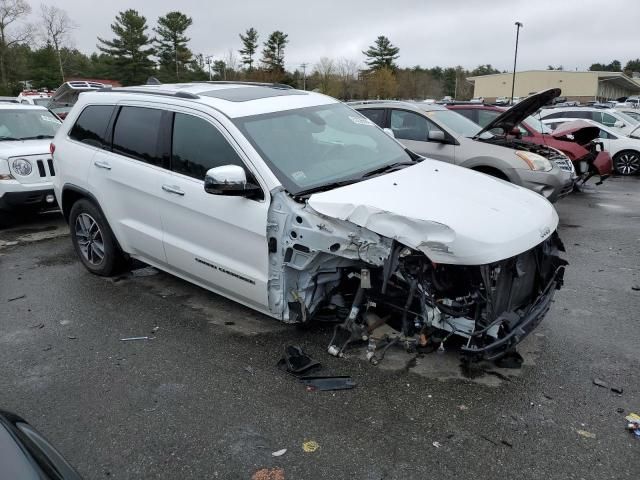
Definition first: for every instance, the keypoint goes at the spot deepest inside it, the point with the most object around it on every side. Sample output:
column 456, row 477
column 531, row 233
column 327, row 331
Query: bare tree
column 56, row 26
column 325, row 69
column 347, row 70
column 231, row 64
column 11, row 32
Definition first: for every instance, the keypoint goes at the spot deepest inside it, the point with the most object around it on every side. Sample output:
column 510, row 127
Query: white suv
column 26, row 168
column 294, row 204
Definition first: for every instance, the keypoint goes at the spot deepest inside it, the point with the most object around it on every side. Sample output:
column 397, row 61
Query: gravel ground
column 203, row 399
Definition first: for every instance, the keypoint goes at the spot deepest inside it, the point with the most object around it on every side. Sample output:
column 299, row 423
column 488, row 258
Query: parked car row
column 619, row 132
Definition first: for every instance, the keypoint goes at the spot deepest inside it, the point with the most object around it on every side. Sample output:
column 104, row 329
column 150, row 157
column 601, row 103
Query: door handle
column 172, row 189
column 100, row 164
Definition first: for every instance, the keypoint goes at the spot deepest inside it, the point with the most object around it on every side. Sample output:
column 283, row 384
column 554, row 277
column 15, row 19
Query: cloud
column 429, row 32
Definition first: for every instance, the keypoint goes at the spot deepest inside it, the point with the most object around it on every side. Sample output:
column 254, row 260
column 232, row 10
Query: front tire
column 93, row 239
column 627, row 163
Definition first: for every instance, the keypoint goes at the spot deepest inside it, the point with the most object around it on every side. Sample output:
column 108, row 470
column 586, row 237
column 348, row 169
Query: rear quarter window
column 137, row 134
column 91, row 125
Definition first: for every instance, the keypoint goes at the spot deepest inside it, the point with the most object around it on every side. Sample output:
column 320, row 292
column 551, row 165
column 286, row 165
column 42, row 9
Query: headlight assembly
column 535, row 161
column 22, row 167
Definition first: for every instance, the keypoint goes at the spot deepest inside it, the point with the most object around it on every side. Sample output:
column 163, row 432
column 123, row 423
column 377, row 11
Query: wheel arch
column 493, row 171
column 71, row 194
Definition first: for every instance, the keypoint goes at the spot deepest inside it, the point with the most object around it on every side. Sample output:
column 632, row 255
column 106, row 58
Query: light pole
column 208, row 62
column 519, row 25
column 304, row 76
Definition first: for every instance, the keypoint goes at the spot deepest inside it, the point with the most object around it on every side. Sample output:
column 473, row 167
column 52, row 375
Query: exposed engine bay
column 553, row 155
column 332, row 270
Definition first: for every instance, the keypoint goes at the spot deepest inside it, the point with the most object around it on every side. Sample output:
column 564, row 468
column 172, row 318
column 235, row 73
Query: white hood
column 452, row 214
column 23, row 148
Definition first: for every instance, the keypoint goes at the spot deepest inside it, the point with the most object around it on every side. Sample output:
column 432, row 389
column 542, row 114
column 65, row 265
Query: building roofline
column 602, row 74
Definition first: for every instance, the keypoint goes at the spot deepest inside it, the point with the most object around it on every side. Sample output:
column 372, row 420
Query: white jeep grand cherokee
column 26, row 168
column 294, row 204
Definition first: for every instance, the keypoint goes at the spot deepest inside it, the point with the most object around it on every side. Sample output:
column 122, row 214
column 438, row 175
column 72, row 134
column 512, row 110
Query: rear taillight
column 52, row 148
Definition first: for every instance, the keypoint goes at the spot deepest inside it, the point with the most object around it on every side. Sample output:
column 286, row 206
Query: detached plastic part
column 329, row 383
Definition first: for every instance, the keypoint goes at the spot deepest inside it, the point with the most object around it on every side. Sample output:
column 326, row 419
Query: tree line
column 43, row 54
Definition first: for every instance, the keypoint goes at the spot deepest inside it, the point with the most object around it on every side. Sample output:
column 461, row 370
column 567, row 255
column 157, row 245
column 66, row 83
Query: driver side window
column 410, row 126
column 198, row 146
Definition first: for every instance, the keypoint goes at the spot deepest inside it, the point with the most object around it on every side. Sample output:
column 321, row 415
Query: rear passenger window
column 136, row 134
column 376, row 115
column 198, row 146
column 91, row 126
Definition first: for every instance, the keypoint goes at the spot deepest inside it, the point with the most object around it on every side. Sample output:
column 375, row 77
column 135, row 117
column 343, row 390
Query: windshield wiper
column 36, row 137
column 328, row 186
column 387, row 168
column 9, row 138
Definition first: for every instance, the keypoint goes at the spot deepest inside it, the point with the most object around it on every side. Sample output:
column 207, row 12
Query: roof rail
column 373, row 102
column 255, row 84
column 179, row 94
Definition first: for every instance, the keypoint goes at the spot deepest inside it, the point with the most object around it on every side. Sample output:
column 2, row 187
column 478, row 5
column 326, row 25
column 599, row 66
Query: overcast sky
column 572, row 33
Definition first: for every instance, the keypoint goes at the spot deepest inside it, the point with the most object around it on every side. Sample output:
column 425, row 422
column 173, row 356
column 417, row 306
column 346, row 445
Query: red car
column 587, row 155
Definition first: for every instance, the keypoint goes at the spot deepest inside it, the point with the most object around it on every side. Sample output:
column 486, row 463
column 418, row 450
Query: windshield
column 43, row 102
column 311, row 147
column 459, row 124
column 27, row 124
column 537, row 124
column 628, row 119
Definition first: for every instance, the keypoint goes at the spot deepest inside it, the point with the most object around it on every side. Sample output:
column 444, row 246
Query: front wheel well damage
column 494, row 172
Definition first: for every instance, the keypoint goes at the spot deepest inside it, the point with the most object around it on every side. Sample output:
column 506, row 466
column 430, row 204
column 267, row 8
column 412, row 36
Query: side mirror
column 230, row 180
column 436, row 136
column 618, row 124
column 389, row 132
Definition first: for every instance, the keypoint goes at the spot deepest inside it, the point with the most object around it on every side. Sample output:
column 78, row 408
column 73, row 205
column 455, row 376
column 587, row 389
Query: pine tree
column 172, row 48
column 382, row 54
column 273, row 52
column 249, row 47
column 130, row 48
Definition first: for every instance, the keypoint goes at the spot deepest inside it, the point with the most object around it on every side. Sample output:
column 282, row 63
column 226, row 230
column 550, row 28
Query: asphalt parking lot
column 203, row 398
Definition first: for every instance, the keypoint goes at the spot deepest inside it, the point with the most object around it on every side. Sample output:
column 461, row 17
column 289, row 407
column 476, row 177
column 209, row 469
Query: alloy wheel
column 628, row 163
column 89, row 237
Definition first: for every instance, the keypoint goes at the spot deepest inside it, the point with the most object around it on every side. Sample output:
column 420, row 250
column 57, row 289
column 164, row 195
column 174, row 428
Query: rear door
column 217, row 241
column 412, row 129
column 127, row 180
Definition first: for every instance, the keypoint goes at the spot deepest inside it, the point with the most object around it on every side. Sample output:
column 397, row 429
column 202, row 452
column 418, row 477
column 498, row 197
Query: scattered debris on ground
column 268, row 474
column 296, row 362
column 279, row 453
column 586, row 434
column 633, row 424
column 16, row 298
column 328, row 383
column 310, row 446
column 600, row 383
column 131, row 339
column 436, row 444
column 636, row 288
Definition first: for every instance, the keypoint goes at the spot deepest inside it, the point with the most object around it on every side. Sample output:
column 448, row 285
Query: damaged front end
column 324, row 268
column 492, row 307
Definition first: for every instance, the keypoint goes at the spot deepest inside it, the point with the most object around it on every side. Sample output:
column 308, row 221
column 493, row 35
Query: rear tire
column 93, row 239
column 627, row 163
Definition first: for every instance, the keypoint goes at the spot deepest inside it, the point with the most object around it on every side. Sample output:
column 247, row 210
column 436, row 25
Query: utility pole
column 519, row 25
column 304, row 75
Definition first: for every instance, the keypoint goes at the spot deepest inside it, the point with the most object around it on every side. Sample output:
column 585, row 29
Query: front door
column 412, row 129
column 217, row 241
